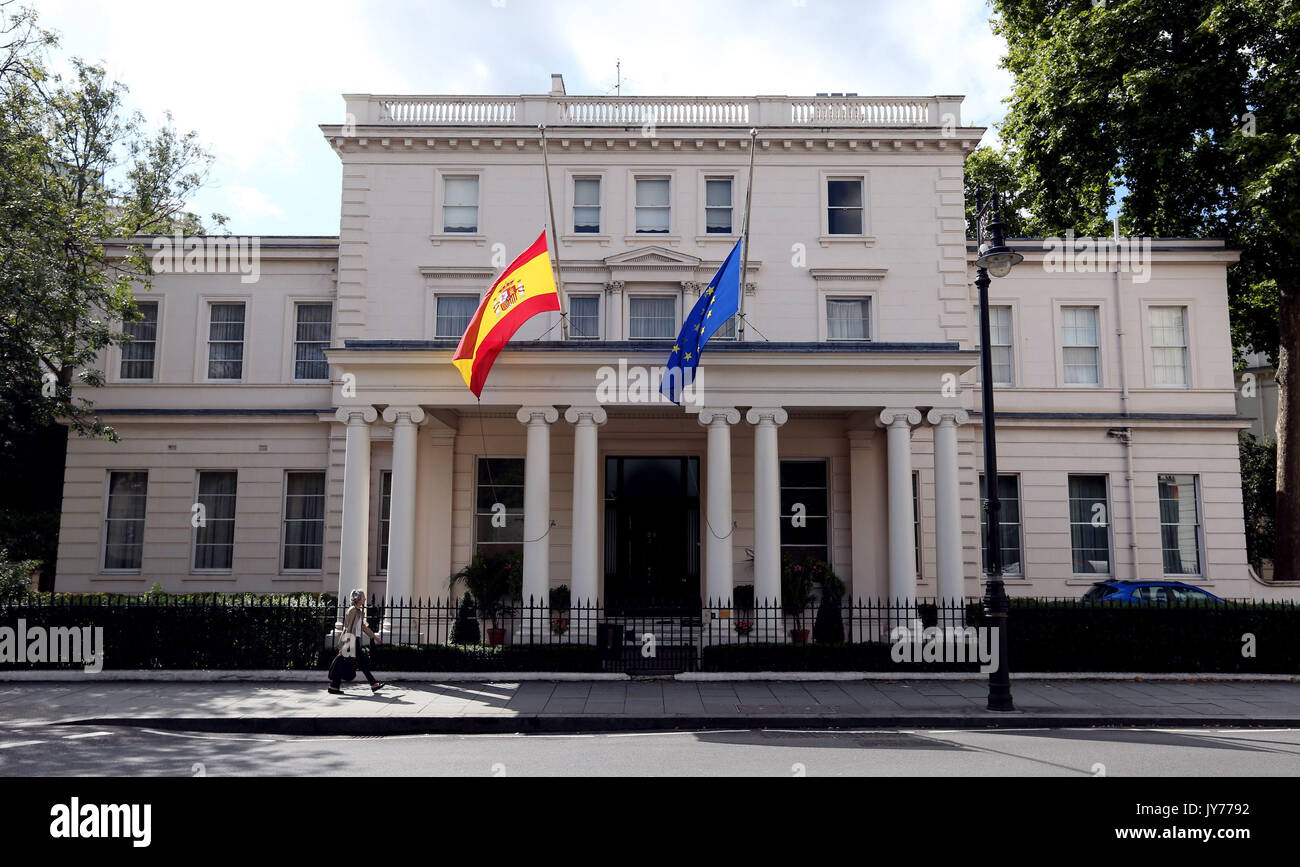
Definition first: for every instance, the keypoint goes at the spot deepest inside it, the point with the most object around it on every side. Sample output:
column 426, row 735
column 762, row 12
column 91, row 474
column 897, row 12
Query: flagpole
column 744, row 254
column 555, row 235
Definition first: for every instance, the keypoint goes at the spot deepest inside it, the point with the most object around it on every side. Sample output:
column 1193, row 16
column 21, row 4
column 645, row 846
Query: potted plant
column 465, row 629
column 491, row 580
column 743, row 599
column 560, row 602
column 828, row 628
column 796, row 595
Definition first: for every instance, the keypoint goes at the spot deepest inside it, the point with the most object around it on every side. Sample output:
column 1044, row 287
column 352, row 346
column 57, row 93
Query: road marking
column 87, row 735
column 20, row 744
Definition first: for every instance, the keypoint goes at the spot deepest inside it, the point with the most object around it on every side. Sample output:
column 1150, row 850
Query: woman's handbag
column 343, row 668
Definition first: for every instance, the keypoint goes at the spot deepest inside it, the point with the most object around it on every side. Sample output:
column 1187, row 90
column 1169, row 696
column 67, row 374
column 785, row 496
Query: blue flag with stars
column 718, row 303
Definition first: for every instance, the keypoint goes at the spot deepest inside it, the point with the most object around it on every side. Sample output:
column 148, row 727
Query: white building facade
column 312, row 416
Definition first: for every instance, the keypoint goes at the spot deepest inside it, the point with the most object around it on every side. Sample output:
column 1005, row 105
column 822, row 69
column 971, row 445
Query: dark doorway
column 652, row 529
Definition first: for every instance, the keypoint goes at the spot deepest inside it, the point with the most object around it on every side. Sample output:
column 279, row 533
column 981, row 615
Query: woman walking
column 354, row 624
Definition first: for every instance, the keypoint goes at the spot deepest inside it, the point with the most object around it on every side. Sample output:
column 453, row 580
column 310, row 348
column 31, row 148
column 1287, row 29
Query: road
column 43, row 750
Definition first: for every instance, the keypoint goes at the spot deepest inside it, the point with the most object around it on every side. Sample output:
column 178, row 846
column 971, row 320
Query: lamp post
column 996, row 259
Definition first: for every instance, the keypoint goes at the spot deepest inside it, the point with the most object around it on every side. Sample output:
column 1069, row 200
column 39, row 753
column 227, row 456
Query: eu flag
column 718, row 303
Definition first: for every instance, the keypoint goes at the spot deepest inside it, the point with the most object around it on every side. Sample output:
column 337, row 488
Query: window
column 726, row 331
column 584, row 317
column 1089, row 525
column 124, row 519
column 138, row 354
column 214, row 538
column 1009, row 521
column 226, row 341
column 916, row 520
column 844, row 211
column 454, row 314
column 385, row 516
column 304, row 521
column 805, row 510
column 652, row 318
column 1180, row 524
column 499, row 511
column 1169, row 345
column 1000, row 351
column 848, row 318
column 653, row 211
column 1081, row 350
column 460, row 205
column 717, row 206
column 586, row 206
column 311, row 340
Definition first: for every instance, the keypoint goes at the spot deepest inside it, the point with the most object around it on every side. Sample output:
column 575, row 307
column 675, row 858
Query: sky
column 255, row 79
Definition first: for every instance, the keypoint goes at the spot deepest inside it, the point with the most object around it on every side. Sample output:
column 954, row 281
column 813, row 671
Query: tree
column 75, row 169
column 1191, row 110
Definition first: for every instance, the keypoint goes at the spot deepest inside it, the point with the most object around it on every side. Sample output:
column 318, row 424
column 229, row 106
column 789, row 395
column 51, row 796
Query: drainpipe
column 1125, row 435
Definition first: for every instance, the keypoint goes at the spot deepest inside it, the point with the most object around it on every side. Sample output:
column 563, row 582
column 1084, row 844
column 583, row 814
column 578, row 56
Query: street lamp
column 997, row 259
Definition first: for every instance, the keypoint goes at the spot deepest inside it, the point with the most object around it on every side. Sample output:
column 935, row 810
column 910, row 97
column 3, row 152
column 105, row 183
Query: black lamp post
column 996, row 259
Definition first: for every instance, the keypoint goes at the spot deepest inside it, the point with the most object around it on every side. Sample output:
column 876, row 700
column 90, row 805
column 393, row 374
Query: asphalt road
column 41, row 750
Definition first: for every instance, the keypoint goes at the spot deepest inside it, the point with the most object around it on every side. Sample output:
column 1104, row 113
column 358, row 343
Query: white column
column 537, row 501
column 353, row 544
column 767, row 503
column 902, row 549
column 401, row 524
column 718, row 539
column 947, row 496
column 584, row 573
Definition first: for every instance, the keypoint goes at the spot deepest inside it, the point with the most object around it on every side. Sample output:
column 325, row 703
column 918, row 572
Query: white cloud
column 250, row 205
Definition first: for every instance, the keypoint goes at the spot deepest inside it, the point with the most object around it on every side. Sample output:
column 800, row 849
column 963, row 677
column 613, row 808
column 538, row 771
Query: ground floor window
column 385, row 516
column 304, row 521
column 1009, row 521
column 124, row 519
column 1180, row 524
column 214, row 535
column 805, row 510
column 916, row 522
column 1089, row 525
column 499, row 507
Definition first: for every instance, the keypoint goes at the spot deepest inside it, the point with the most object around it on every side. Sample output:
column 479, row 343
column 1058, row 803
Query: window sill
column 222, row 575
column 477, row 240
column 673, row 240
column 116, row 574
column 290, row 575
column 602, row 240
column 860, row 240
column 718, row 239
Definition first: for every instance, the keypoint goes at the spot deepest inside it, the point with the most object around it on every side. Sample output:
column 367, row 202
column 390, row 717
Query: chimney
column 557, row 84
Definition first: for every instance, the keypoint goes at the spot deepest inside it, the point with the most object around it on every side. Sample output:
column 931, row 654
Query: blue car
column 1157, row 592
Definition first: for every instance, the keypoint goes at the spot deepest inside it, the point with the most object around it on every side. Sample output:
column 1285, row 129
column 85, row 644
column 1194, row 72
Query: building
column 311, row 416
column 1257, row 396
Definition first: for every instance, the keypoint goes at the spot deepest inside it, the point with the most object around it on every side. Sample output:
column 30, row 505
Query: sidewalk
column 588, row 706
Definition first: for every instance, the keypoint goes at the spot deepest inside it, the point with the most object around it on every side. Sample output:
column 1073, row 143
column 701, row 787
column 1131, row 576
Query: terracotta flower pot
column 799, row 636
column 496, row 636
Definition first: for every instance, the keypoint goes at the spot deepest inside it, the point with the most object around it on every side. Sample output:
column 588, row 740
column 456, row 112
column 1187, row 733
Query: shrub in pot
column 742, row 598
column 796, row 594
column 828, row 628
column 491, row 580
column 465, row 629
column 560, row 605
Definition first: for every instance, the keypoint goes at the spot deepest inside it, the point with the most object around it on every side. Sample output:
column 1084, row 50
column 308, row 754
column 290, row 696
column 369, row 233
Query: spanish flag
column 525, row 289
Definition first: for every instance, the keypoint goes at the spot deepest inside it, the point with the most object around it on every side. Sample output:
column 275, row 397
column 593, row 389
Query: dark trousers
column 363, row 666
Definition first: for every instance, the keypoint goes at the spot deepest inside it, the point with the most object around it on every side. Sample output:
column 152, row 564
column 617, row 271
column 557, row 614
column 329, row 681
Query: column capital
column 528, row 414
column 893, row 415
column 596, row 414
column 939, row 415
column 774, row 414
column 711, row 414
column 368, row 414
column 413, row 414
column 614, row 287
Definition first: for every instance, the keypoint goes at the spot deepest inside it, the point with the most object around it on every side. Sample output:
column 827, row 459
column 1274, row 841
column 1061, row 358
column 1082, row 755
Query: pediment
column 652, row 258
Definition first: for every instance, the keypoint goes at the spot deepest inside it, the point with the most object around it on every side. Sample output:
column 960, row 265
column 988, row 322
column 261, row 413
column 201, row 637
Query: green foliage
column 743, row 597
column 988, row 170
column 465, row 629
column 1259, row 496
column 15, row 577
column 560, row 598
column 491, row 580
column 797, row 584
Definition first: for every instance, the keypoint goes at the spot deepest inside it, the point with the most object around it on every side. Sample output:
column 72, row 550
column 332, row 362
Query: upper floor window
column 460, row 204
column 1000, row 351
column 1081, row 347
column 652, row 317
column 584, row 317
column 586, row 206
column 718, row 206
column 653, row 208
column 226, row 341
column 124, row 519
column 844, row 206
column 311, row 339
column 214, row 537
column 454, row 314
column 304, row 521
column 1169, row 355
column 139, row 352
column 848, row 318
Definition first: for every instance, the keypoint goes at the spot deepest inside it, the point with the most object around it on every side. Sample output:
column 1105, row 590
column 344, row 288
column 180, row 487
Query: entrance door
column 652, row 545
